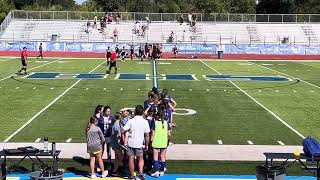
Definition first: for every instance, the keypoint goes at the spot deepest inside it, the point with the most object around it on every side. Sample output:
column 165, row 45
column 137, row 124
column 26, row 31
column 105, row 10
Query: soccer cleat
column 165, row 170
column 93, row 176
column 161, row 173
column 155, row 174
column 141, row 176
column 104, row 174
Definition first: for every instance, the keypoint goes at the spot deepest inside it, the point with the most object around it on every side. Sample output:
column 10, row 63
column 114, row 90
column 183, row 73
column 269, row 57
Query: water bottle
column 45, row 144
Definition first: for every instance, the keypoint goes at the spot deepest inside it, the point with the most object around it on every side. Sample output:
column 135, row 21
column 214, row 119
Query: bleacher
column 67, row 30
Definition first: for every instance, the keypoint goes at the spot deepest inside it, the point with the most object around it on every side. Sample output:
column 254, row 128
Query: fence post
column 53, row 15
column 67, row 15
column 282, row 18
column 309, row 18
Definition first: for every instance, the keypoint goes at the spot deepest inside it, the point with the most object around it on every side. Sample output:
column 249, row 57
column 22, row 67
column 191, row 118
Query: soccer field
column 231, row 102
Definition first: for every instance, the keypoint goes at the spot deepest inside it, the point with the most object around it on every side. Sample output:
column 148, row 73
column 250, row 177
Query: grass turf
column 223, row 113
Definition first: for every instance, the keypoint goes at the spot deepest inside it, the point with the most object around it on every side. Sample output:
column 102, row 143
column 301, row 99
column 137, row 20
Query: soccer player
column 40, row 51
column 108, row 53
column 23, row 61
column 123, row 53
column 141, row 52
column 131, row 52
column 175, row 51
column 117, row 50
column 113, row 62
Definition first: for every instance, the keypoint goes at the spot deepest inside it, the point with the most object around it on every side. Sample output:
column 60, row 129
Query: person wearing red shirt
column 113, row 62
column 23, row 61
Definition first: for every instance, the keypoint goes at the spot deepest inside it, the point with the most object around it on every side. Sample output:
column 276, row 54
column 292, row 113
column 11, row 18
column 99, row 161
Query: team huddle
column 140, row 137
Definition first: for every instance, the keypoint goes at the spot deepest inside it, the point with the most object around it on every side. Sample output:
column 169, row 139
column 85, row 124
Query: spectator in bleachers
column 101, row 24
column 88, row 26
column 148, row 21
column 181, row 19
column 110, row 18
column 138, row 129
column 95, row 140
column 136, row 28
column 189, row 18
column 118, row 17
column 171, row 37
column 95, row 19
column 115, row 35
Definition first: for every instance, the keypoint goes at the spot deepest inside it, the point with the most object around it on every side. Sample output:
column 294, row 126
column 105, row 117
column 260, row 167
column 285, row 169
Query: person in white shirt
column 138, row 131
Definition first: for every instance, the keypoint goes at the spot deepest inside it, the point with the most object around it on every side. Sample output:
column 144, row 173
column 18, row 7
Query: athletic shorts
column 135, row 151
column 24, row 63
column 113, row 64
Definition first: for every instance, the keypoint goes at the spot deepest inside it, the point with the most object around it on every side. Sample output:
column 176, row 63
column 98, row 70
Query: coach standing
column 113, row 62
column 23, row 61
column 138, row 129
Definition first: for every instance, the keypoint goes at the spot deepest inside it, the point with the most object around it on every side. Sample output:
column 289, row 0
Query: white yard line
column 155, row 79
column 257, row 102
column 31, row 69
column 281, row 143
column 287, row 75
column 250, row 142
column 45, row 108
column 220, row 142
column 37, row 140
column 3, row 60
column 68, row 140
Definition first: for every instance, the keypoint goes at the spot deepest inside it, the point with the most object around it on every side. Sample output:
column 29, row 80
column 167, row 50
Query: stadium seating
column 224, row 33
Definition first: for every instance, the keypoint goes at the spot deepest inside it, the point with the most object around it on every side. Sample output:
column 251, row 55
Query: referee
column 40, row 52
column 23, row 62
column 113, row 62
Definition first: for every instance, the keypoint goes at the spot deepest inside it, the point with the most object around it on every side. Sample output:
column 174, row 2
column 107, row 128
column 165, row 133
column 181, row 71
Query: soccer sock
column 156, row 166
column 163, row 165
column 109, row 158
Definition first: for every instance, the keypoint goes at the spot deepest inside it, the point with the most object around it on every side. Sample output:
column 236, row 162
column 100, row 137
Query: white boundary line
column 50, row 104
column 272, row 113
column 31, row 69
column 117, row 76
column 8, row 59
column 155, row 79
column 287, row 75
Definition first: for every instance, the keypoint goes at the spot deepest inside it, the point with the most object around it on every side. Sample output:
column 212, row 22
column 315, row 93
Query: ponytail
column 92, row 121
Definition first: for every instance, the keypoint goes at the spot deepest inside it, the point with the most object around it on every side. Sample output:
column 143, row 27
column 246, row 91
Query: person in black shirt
column 123, row 53
column 141, row 52
column 108, row 54
column 117, row 50
column 40, row 51
column 131, row 52
column 175, row 51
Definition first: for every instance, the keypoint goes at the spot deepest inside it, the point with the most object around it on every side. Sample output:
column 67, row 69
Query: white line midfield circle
column 179, row 111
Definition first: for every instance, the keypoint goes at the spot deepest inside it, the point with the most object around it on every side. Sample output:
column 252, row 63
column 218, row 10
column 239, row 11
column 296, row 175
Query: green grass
column 223, row 113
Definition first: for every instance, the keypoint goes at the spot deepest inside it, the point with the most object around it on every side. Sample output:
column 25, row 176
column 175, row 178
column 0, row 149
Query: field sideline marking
column 272, row 113
column 31, row 69
column 50, row 104
column 287, row 75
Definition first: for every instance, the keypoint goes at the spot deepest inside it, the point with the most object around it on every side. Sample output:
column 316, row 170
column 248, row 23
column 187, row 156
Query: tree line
column 167, row 6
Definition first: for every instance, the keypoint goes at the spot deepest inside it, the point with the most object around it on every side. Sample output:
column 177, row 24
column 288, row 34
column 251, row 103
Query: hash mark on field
column 189, row 141
column 224, row 90
column 259, row 90
column 121, row 89
column 250, row 142
column 104, row 89
column 68, row 140
column 294, row 91
column 17, row 87
column 87, row 89
column 190, row 89
column 34, row 88
column 308, row 70
column 138, row 89
column 277, row 91
column 173, row 89
column 37, row 140
column 208, row 90
column 281, row 143
column 312, row 91
column 220, row 142
column 52, row 88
